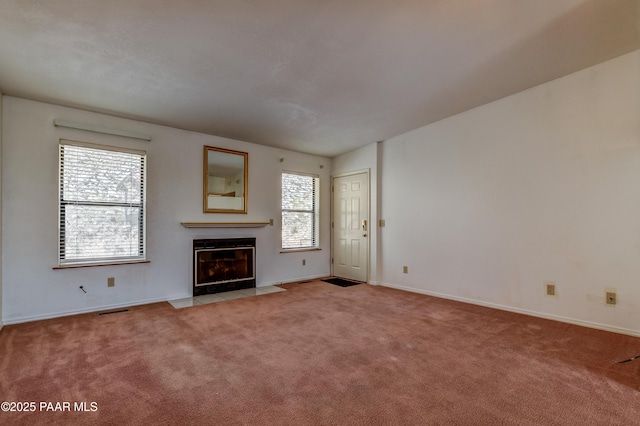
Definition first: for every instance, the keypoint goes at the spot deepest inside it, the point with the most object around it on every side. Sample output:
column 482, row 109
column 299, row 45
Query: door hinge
column 332, row 260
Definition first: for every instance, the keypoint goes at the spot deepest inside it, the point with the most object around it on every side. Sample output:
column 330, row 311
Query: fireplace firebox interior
column 223, row 265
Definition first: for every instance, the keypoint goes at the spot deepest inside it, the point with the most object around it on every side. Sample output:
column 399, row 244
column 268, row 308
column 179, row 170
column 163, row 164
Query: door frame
column 368, row 178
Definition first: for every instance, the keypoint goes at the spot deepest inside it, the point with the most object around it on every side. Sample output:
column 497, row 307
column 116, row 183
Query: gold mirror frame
column 225, row 180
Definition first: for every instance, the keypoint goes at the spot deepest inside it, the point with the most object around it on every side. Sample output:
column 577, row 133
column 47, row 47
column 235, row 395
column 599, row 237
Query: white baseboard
column 311, row 277
column 20, row 320
column 589, row 324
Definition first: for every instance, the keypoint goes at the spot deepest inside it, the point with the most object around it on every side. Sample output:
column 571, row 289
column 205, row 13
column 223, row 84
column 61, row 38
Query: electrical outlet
column 304, row 262
column 111, row 282
column 405, row 269
column 551, row 288
column 611, row 298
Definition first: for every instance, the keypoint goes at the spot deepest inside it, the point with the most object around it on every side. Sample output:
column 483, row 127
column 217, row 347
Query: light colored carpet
column 319, row 354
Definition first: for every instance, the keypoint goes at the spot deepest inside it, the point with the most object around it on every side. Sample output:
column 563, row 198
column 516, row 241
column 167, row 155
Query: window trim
column 105, row 261
column 315, row 212
column 298, row 250
column 91, row 265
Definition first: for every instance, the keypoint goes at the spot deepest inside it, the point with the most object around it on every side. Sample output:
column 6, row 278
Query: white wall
column 541, row 186
column 1, row 322
column 33, row 290
column 365, row 159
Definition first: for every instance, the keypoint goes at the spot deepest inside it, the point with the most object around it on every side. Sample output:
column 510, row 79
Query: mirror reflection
column 225, row 180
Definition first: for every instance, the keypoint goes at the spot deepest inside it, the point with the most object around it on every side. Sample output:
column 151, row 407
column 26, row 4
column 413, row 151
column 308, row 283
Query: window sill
column 90, row 265
column 300, row 250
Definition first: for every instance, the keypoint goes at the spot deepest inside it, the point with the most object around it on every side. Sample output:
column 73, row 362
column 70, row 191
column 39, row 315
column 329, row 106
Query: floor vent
column 117, row 311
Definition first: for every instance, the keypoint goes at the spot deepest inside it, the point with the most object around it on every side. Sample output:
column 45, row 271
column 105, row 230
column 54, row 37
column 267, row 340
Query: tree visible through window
column 299, row 211
column 102, row 204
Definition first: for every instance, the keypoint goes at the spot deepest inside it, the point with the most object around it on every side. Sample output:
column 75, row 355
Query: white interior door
column 351, row 226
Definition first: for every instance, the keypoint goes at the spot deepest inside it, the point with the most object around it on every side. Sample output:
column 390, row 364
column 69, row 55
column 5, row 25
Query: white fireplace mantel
column 225, row 224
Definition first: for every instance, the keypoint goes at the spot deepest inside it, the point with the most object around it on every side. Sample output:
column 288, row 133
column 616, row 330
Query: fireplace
column 223, row 265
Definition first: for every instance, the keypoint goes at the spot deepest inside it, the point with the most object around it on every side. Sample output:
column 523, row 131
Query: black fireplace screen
column 223, row 265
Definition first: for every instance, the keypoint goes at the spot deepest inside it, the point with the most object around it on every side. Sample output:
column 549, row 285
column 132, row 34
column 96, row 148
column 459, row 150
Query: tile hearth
column 221, row 297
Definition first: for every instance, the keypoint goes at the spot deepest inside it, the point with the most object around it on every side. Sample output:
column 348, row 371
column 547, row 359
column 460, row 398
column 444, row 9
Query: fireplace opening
column 223, row 265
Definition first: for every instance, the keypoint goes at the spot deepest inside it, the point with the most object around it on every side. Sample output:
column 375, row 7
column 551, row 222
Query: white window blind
column 102, row 204
column 299, row 211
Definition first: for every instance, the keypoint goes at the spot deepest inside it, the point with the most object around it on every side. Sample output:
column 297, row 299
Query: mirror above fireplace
column 225, row 180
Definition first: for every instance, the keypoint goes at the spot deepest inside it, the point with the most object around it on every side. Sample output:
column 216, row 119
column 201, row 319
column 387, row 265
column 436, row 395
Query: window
column 102, row 204
column 299, row 211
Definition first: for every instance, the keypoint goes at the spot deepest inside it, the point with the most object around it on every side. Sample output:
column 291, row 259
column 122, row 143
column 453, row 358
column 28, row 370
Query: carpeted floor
column 319, row 354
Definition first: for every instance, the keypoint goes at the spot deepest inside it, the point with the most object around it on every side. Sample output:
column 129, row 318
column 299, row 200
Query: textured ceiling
column 322, row 76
